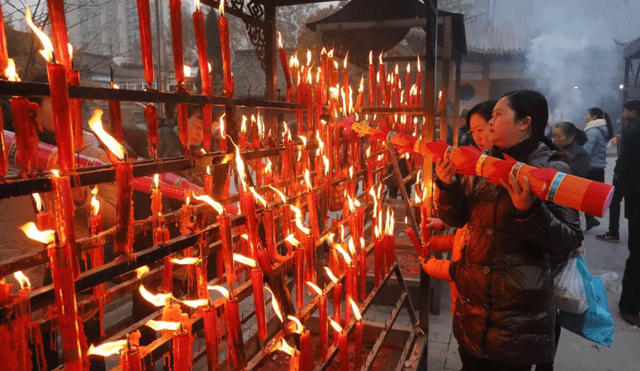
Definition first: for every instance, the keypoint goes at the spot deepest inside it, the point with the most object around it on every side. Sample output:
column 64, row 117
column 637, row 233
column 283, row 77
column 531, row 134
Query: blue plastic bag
column 596, row 323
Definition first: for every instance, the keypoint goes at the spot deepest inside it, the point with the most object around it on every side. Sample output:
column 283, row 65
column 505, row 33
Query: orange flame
column 292, row 240
column 107, row 349
column 335, row 325
column 10, row 71
column 257, row 196
column 308, row 57
column 345, row 254
column 361, row 88
column 95, row 204
column 47, row 51
column 352, row 247
column 95, row 123
column 279, row 40
column 269, row 168
column 244, row 260
column 243, row 126
column 409, row 68
column 33, row 233
column 418, row 65
column 142, row 271
column 197, row 5
column 284, row 346
column 326, row 164
column 221, row 8
column 221, row 290
column 187, row 70
column 314, row 287
column 370, row 56
column 280, row 194
column 299, row 328
column 163, row 325
column 356, row 311
column 222, row 132
column 185, row 261
column 307, row 180
column 345, row 60
column 38, row 200
column 330, row 274
column 380, row 58
column 158, row 300
column 240, row 167
column 195, row 303
column 275, row 304
column 301, row 227
column 216, row 206
column 24, row 281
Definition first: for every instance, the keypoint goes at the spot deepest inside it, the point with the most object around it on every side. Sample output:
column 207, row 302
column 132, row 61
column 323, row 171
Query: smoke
column 574, row 60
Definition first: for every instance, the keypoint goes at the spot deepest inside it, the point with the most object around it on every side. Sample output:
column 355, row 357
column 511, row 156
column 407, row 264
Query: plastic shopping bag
column 596, row 323
column 569, row 289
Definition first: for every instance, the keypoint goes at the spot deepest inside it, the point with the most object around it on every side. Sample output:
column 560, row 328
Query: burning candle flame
column 279, row 40
column 95, row 123
column 326, row 165
column 221, row 8
column 142, row 271
column 346, row 56
column 38, row 200
column 396, row 69
column 258, row 197
column 418, row 64
column 308, row 57
column 361, row 88
column 243, row 126
column 301, row 227
column 187, row 70
column 33, row 233
column 296, row 211
column 356, row 311
column 221, row 290
column 409, row 67
column 299, row 327
column 380, row 58
column 196, row 3
column 244, row 260
column 47, row 51
column 284, row 346
column 268, row 169
column 158, row 300
column 22, row 279
column 280, row 194
column 304, row 141
column 330, row 274
column 335, row 325
column 275, row 304
column 10, row 71
column 292, row 240
column 107, row 349
column 352, row 247
column 163, row 325
column 95, row 204
column 307, row 180
column 185, row 261
column 314, row 287
column 362, row 244
column 216, row 206
column 330, row 53
column 352, row 208
column 240, row 167
column 345, row 254
column 222, row 133
column 195, row 303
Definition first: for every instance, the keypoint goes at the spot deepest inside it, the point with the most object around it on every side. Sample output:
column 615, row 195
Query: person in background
column 505, row 316
column 571, row 139
column 628, row 180
column 599, row 131
column 478, row 122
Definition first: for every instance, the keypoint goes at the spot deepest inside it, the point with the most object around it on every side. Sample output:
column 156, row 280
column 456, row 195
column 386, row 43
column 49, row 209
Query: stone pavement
column 605, row 259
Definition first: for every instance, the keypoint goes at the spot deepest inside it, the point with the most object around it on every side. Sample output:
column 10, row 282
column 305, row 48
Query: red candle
column 305, row 351
column 283, row 63
column 343, row 346
column 208, row 182
column 351, row 292
column 210, row 319
column 249, row 210
column 156, row 199
column 269, row 231
column 408, row 85
column 64, row 219
column 124, row 208
column 182, row 352
column 383, row 77
column 227, row 248
column 358, row 347
column 258, row 300
column 424, row 230
column 372, row 80
column 131, row 359
column 175, row 11
column 4, row 56
column 225, row 50
column 4, row 165
column 60, row 100
column 144, row 22
column 75, row 106
column 345, row 77
column 419, row 85
column 416, row 243
column 183, row 125
column 201, row 44
column 311, row 259
column 207, row 122
column 235, row 345
column 97, row 257
column 363, row 274
column 59, row 28
column 151, row 114
column 312, row 200
column 24, row 116
column 337, row 302
column 378, row 260
column 299, row 262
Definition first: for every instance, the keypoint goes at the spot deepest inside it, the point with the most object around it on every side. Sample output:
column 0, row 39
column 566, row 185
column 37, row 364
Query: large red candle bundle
column 210, row 319
column 75, row 105
column 235, row 345
column 175, row 12
column 60, row 100
column 124, row 208
column 151, row 114
column 24, row 114
column 144, row 22
column 59, row 28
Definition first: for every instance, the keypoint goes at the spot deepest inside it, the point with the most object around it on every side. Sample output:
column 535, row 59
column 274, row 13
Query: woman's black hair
column 484, row 109
column 600, row 114
column 533, row 104
column 632, row 105
column 569, row 129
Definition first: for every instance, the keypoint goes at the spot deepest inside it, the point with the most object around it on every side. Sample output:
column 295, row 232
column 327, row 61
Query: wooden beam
column 391, row 23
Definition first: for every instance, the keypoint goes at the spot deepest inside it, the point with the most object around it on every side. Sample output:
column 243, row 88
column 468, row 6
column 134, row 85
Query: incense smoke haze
column 574, row 60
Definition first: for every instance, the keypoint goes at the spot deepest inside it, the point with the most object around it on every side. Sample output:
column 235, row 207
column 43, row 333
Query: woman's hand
column 521, row 196
column 435, row 224
column 445, row 170
column 423, row 263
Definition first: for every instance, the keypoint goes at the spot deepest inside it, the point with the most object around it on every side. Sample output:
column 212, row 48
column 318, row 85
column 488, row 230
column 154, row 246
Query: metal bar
column 94, row 93
column 383, row 335
column 392, row 23
column 391, row 111
column 405, row 352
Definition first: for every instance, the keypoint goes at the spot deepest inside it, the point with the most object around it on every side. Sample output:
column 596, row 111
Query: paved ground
column 604, row 259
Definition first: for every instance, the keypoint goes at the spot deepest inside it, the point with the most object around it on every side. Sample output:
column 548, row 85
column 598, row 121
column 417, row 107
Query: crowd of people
column 513, row 244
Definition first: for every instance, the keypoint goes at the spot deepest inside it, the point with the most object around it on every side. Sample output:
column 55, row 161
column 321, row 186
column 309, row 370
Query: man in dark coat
column 628, row 180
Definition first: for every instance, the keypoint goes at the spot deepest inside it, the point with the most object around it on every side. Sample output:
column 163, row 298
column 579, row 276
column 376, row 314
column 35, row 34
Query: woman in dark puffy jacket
column 505, row 314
